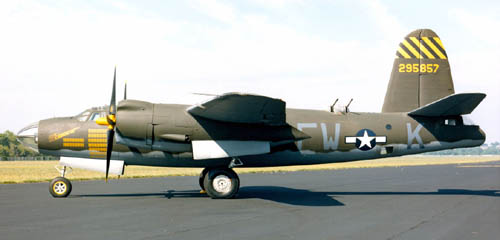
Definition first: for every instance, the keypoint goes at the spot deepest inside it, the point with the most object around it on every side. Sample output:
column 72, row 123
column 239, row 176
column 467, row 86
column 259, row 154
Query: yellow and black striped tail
column 421, row 73
column 421, row 48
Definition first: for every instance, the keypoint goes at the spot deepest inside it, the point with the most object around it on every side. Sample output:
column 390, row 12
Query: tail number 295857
column 418, row 68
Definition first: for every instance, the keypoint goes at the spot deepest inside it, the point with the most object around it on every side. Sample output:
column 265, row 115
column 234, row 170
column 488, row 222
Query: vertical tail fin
column 420, row 74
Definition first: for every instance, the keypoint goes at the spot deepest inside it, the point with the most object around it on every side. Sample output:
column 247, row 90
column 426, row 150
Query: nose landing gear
column 60, row 187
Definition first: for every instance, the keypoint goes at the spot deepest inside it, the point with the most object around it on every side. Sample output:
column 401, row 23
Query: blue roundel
column 365, row 139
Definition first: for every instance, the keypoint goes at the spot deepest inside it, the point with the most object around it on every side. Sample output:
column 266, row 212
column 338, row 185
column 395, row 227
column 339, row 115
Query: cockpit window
column 82, row 117
column 96, row 115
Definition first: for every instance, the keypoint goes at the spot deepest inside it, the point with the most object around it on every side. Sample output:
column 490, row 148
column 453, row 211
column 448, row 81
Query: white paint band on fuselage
column 210, row 149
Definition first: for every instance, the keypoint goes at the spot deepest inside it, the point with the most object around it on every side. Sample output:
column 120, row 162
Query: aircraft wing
column 242, row 124
column 242, row 108
column 452, row 105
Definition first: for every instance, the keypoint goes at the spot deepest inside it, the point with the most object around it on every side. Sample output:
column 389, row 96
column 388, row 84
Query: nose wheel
column 221, row 183
column 60, row 187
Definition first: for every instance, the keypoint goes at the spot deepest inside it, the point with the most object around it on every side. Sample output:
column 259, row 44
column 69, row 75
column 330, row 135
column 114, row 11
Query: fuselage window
column 455, row 121
column 450, row 122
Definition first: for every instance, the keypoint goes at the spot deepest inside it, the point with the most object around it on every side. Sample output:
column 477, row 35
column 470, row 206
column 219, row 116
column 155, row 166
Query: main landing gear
column 60, row 187
column 220, row 182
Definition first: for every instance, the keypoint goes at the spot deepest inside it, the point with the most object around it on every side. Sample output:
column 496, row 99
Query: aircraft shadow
column 310, row 198
column 167, row 194
column 298, row 197
column 292, row 196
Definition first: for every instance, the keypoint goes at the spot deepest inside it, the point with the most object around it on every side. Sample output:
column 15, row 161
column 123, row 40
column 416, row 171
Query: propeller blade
column 110, row 121
column 109, row 150
column 112, row 104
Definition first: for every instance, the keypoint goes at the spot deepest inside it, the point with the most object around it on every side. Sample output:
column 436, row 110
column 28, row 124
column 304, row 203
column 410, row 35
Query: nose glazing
column 28, row 136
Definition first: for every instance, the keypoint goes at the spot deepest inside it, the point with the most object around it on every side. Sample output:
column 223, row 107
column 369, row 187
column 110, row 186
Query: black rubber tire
column 213, row 174
column 60, row 187
column 201, row 179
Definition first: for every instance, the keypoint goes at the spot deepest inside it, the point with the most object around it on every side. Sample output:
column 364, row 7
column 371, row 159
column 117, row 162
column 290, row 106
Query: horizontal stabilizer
column 242, row 108
column 453, row 105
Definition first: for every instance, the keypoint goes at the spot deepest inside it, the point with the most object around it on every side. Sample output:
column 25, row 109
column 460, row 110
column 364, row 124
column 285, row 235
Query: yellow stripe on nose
column 98, row 149
column 98, row 145
column 70, row 144
column 95, row 135
column 77, row 140
column 98, row 130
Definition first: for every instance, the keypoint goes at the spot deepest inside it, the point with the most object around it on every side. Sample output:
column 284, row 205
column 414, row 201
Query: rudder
column 420, row 74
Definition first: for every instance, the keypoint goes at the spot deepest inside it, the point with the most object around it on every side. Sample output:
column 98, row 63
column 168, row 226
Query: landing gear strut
column 60, row 187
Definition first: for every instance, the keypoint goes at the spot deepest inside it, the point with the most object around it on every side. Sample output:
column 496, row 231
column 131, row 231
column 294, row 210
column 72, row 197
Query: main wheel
column 221, row 183
column 60, row 187
column 201, row 179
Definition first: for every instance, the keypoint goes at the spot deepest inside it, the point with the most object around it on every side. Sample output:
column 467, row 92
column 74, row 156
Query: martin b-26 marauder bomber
column 421, row 113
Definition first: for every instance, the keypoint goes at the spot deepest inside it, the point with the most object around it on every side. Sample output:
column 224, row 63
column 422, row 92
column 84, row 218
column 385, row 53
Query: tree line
column 11, row 148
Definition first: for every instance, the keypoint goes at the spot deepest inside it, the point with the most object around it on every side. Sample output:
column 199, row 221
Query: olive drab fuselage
column 329, row 136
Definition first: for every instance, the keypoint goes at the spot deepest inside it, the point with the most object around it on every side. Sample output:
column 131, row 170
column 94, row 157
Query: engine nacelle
column 134, row 118
column 135, row 127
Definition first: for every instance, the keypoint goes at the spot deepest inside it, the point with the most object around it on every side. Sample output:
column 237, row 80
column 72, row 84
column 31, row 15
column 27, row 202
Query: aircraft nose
column 28, row 136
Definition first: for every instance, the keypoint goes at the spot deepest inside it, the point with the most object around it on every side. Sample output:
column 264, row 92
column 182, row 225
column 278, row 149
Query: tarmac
column 428, row 202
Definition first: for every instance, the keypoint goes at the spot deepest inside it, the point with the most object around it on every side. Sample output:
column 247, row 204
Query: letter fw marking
column 301, row 126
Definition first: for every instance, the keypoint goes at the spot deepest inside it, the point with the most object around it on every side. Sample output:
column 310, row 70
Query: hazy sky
column 57, row 57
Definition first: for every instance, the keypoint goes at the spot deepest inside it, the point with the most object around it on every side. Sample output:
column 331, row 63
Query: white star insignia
column 365, row 140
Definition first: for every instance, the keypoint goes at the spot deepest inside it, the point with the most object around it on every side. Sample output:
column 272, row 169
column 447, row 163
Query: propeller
column 110, row 121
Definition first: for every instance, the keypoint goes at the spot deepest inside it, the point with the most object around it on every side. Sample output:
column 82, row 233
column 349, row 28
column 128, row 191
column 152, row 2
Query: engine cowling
column 134, row 118
column 135, row 127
